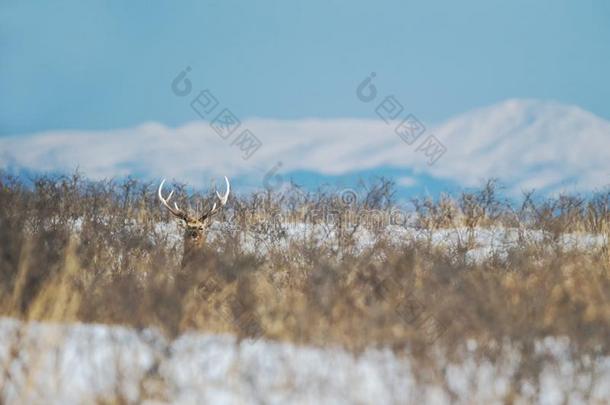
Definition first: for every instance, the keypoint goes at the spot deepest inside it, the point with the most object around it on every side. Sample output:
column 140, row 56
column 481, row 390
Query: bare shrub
column 72, row 249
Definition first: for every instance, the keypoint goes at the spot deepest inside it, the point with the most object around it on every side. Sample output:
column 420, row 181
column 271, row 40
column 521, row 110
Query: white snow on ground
column 59, row 364
column 482, row 242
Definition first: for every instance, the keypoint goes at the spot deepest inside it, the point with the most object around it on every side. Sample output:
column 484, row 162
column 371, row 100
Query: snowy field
column 478, row 243
column 77, row 363
column 60, row 364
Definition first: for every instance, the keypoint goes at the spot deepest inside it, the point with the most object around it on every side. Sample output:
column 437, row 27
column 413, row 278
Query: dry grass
column 72, row 249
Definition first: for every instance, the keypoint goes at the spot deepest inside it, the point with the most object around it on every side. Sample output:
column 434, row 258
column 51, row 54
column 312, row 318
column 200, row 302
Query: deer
column 195, row 226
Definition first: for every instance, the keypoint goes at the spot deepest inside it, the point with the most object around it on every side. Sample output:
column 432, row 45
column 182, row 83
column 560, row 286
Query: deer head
column 195, row 226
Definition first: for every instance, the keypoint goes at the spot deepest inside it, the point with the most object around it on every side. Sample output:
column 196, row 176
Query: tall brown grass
column 79, row 250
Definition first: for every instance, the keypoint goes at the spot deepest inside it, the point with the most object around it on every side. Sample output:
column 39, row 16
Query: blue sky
column 109, row 64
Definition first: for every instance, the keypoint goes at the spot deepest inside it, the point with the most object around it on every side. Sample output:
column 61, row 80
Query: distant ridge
column 527, row 144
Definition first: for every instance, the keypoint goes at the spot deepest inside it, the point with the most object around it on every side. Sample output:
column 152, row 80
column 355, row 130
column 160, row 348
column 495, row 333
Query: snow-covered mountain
column 526, row 144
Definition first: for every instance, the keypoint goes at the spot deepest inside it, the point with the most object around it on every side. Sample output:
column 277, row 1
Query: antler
column 223, row 200
column 183, row 215
column 175, row 210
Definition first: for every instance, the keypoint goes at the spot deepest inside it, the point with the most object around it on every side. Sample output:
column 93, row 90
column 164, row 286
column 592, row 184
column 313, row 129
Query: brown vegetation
column 77, row 250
